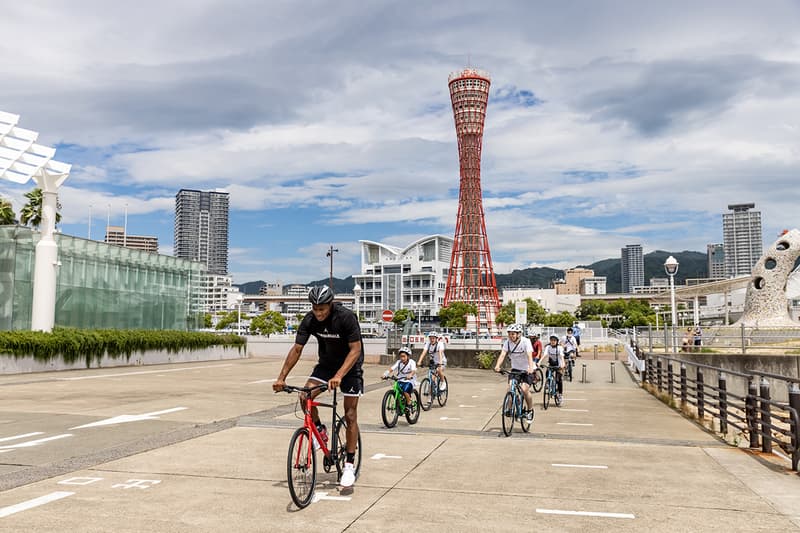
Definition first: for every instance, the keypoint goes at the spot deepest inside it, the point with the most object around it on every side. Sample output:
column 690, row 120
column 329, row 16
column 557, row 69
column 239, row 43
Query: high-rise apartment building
column 632, row 267
column 201, row 228
column 118, row 236
column 742, row 238
column 715, row 254
column 572, row 280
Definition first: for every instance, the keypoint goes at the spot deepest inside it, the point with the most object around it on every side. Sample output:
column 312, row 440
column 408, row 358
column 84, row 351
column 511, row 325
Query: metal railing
column 740, row 339
column 739, row 400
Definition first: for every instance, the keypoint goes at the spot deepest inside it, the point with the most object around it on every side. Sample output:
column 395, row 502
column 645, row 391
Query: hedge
column 73, row 344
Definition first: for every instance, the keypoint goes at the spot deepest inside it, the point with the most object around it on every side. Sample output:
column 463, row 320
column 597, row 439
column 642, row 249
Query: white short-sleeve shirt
column 404, row 372
column 436, row 351
column 518, row 353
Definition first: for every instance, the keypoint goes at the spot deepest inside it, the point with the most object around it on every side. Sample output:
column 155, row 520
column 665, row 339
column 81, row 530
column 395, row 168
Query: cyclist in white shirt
column 434, row 347
column 520, row 352
column 570, row 344
column 406, row 371
column 553, row 355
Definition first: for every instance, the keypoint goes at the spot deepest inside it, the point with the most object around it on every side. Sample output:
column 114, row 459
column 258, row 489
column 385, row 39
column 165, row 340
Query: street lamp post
column 331, row 250
column 239, row 299
column 671, row 267
column 22, row 159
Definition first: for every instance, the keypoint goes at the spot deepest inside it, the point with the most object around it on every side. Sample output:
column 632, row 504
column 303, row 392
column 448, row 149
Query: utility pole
column 331, row 250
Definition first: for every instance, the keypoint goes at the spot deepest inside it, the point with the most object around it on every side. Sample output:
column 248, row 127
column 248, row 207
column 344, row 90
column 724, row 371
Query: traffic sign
column 387, row 315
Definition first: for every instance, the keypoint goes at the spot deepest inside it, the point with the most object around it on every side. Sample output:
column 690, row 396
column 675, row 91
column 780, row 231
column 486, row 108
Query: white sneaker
column 348, row 475
column 443, row 386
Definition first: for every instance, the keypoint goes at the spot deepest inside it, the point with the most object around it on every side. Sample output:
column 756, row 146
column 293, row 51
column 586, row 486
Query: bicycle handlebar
column 291, row 388
column 513, row 372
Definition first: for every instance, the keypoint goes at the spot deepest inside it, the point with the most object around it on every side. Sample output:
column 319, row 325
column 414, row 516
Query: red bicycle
column 301, row 464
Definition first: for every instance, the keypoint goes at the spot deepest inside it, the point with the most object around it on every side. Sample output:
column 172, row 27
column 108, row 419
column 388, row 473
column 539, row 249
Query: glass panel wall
column 100, row 285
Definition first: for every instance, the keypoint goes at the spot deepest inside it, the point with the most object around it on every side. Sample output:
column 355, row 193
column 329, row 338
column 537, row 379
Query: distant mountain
column 692, row 265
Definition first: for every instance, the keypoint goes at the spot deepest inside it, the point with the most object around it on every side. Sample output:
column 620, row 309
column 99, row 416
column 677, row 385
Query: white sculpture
column 765, row 303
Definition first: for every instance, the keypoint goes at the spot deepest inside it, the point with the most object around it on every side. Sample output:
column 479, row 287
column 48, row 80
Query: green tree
column 7, row 215
column 31, row 213
column 231, row 317
column 559, row 320
column 591, row 309
column 267, row 323
column 535, row 313
column 506, row 314
column 455, row 314
column 207, row 320
column 401, row 314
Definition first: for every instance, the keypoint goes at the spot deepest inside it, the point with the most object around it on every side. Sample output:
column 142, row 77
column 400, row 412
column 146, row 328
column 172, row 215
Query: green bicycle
column 394, row 403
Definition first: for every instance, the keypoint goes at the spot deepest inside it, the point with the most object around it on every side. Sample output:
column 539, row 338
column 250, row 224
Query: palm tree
column 32, row 211
column 7, row 216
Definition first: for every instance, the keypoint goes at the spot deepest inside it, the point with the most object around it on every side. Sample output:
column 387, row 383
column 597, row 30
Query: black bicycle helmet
column 320, row 295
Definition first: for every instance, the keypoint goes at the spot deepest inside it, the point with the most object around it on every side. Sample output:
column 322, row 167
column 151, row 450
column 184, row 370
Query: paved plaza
column 202, row 447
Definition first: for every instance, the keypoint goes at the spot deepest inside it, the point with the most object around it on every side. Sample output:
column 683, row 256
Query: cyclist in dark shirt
column 341, row 354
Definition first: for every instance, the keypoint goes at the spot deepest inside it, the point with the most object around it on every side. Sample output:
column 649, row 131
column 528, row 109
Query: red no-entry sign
column 387, row 315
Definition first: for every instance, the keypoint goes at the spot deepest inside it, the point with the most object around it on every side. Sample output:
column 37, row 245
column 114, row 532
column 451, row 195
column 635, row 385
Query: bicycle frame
column 550, row 380
column 308, row 422
column 399, row 397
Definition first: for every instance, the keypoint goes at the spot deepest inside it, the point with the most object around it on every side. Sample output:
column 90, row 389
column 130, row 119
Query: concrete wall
column 10, row 364
column 279, row 345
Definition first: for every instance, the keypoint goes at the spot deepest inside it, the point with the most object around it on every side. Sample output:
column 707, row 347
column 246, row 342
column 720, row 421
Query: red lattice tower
column 471, row 276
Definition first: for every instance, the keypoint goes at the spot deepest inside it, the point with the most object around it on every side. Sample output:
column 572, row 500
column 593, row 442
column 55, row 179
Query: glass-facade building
column 100, row 285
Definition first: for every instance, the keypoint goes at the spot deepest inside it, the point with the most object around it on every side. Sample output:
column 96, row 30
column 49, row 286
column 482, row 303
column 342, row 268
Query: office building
column 117, row 235
column 742, row 238
column 412, row 277
column 572, row 280
column 632, row 267
column 201, row 228
column 715, row 254
column 593, row 285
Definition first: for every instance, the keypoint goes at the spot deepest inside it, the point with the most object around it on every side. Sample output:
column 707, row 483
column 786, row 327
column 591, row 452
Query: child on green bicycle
column 405, row 369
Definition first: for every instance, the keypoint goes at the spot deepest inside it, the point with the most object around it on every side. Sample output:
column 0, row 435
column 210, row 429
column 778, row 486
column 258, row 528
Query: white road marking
column 80, row 481
column 98, row 376
column 379, row 456
column 462, row 405
column 137, row 484
column 475, row 396
column 24, row 436
column 572, row 424
column 579, row 466
column 585, row 513
column 448, row 418
column 36, row 502
column 261, row 381
column 575, row 410
column 28, row 444
column 121, row 419
column 318, row 495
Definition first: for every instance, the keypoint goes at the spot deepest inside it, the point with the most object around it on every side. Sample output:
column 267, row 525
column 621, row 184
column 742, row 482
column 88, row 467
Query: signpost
column 521, row 312
column 387, row 315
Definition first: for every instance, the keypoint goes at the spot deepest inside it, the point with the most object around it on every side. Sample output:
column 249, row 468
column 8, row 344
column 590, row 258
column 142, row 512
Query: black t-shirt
column 334, row 335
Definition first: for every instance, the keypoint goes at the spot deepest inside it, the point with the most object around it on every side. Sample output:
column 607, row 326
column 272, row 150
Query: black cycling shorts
column 352, row 383
column 523, row 378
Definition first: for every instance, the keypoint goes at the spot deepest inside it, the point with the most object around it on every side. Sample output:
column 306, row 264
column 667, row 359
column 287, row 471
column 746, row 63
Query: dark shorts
column 698, row 341
column 405, row 386
column 523, row 378
column 577, row 340
column 352, row 383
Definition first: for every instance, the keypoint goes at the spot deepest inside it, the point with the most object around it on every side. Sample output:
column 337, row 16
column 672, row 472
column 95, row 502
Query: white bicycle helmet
column 433, row 334
column 515, row 328
column 405, row 349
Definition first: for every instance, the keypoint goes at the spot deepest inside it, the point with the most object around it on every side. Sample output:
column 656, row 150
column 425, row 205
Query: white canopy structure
column 20, row 160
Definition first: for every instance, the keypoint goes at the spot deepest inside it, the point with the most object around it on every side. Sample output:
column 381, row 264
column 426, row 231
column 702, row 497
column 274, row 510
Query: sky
column 609, row 122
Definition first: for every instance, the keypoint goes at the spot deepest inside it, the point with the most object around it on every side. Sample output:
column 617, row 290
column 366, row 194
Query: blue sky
column 609, row 123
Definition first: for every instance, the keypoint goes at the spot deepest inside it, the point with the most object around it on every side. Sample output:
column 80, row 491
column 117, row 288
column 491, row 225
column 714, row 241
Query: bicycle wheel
column 341, row 453
column 412, row 413
column 558, row 399
column 301, row 467
column 523, row 420
column 389, row 409
column 569, row 370
column 508, row 412
column 425, row 394
column 538, row 379
column 546, row 394
column 441, row 397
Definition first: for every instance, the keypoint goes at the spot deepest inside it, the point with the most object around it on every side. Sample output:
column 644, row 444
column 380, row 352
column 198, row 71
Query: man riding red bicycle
column 341, row 354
